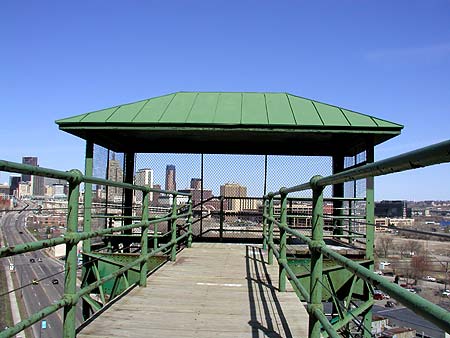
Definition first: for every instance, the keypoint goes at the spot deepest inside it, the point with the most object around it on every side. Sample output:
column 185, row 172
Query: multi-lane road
column 35, row 266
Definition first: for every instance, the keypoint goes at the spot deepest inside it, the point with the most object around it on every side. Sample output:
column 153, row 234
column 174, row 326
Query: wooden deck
column 212, row 290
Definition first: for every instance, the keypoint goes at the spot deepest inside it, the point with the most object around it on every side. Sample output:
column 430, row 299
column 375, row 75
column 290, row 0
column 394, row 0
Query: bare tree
column 418, row 267
column 414, row 247
column 384, row 245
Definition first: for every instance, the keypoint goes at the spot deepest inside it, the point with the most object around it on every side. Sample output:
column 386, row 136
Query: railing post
column 283, row 238
column 87, row 219
column 370, row 237
column 173, row 229
column 316, row 259
column 70, row 288
column 189, row 242
column 264, row 225
column 271, row 225
column 144, row 238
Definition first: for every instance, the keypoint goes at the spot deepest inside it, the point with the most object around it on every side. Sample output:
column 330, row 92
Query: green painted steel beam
column 76, row 175
column 423, row 157
column 428, row 310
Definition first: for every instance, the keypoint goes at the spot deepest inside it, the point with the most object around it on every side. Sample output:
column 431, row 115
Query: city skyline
column 373, row 58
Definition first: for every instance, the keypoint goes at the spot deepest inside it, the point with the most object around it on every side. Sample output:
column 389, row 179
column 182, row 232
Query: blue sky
column 390, row 59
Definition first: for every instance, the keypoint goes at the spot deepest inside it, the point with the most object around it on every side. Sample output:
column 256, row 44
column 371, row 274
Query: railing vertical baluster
column 370, row 236
column 265, row 212
column 144, row 238
column 173, row 228
column 283, row 239
column 69, row 321
column 87, row 219
column 271, row 225
column 189, row 242
column 316, row 259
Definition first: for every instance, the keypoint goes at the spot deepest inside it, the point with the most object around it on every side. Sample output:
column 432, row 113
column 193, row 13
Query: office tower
column 156, row 195
column 14, row 184
column 115, row 173
column 31, row 160
column 233, row 190
column 196, row 183
column 38, row 187
column 144, row 177
column 170, row 178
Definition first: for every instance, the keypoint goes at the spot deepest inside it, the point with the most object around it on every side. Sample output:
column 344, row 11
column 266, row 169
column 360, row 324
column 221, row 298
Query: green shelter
column 231, row 123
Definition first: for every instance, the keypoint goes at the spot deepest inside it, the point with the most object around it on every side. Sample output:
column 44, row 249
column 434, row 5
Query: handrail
column 423, row 157
column 76, row 175
column 434, row 154
column 72, row 237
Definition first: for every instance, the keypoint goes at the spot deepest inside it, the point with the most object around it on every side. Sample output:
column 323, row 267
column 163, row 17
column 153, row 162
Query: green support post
column 338, row 191
column 316, row 259
column 70, row 288
column 283, row 239
column 370, row 238
column 265, row 213
column 144, row 238
column 155, row 236
column 271, row 225
column 173, row 229
column 221, row 218
column 189, row 242
column 88, row 168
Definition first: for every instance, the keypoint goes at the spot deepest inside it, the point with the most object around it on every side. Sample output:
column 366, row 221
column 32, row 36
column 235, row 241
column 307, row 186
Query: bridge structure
column 156, row 273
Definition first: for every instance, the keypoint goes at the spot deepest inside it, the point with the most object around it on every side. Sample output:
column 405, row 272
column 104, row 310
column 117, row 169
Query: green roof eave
column 192, row 116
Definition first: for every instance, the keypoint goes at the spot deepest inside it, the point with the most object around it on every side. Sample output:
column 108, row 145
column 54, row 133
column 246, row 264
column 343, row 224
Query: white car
column 429, row 278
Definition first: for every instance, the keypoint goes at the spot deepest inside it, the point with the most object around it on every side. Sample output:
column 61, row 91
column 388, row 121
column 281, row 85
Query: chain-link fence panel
column 239, row 181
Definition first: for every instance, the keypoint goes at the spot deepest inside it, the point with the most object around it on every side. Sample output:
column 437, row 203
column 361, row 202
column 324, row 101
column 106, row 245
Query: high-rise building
column 115, row 173
column 38, row 187
column 234, row 190
column 156, row 195
column 14, row 181
column 170, row 178
column 144, row 177
column 196, row 183
column 30, row 160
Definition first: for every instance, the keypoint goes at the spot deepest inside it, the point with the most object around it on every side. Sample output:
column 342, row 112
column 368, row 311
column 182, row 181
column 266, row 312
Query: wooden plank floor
column 212, row 290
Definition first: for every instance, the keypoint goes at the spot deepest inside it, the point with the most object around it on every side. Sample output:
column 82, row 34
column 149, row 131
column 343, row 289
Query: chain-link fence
column 226, row 190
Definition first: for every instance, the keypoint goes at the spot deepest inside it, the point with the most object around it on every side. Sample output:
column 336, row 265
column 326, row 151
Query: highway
column 36, row 266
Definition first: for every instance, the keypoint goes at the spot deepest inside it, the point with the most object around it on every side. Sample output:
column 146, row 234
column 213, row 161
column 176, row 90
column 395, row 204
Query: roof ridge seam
column 242, row 104
column 117, row 108
column 267, row 110
column 374, row 121
column 317, row 111
column 217, row 105
column 139, row 111
column 345, row 116
column 292, row 110
column 192, row 107
column 167, row 107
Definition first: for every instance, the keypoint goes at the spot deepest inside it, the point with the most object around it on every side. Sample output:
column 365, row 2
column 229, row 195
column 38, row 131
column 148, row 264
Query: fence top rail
column 76, row 175
column 419, row 158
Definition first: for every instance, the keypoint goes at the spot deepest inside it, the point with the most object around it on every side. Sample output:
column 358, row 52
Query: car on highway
column 430, row 279
column 35, row 282
column 390, row 303
column 39, row 259
column 32, row 260
column 55, row 281
column 445, row 293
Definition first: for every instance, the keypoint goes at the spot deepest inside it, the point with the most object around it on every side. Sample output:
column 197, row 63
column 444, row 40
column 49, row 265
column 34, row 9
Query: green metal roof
column 222, row 122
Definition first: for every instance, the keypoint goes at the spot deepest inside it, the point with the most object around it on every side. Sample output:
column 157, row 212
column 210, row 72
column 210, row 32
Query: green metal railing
column 72, row 237
column 319, row 325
